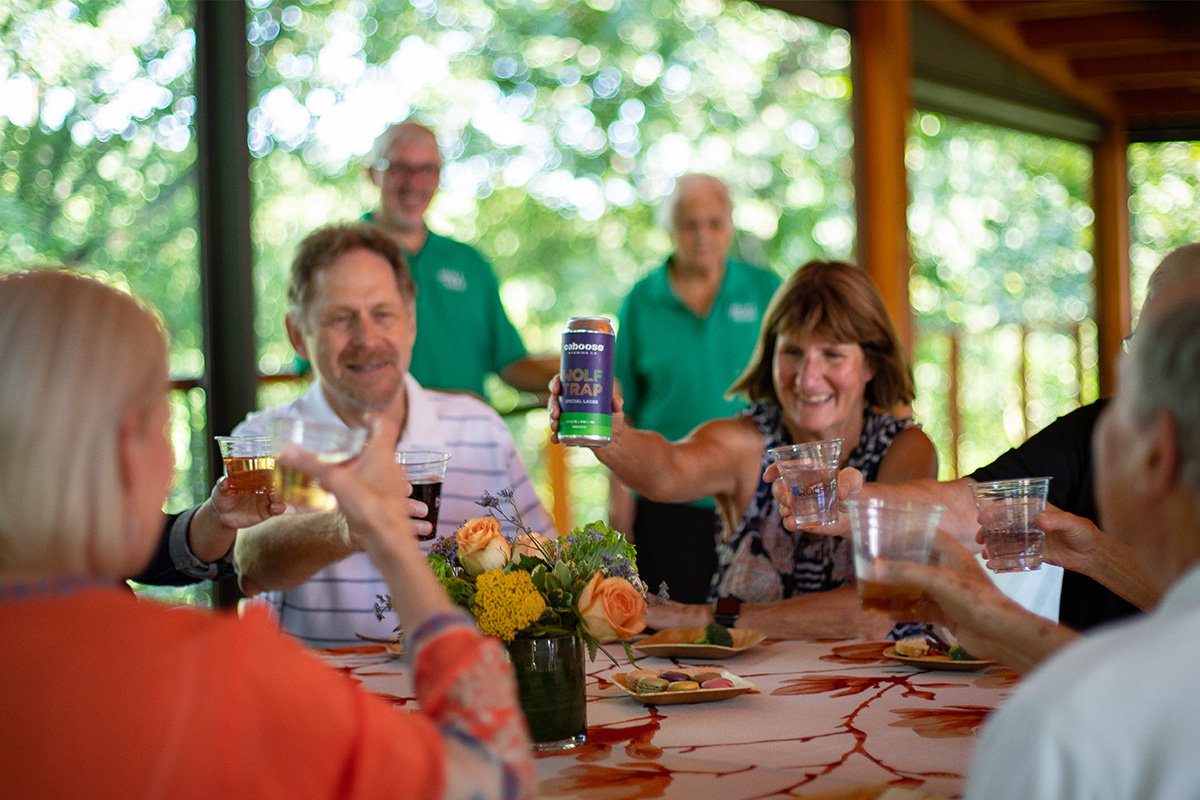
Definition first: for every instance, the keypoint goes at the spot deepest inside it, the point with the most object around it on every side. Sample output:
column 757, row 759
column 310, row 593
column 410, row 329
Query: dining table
column 824, row 719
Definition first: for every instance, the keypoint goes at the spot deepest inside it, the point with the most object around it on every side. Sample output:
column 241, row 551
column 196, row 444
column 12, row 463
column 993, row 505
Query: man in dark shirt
column 1063, row 450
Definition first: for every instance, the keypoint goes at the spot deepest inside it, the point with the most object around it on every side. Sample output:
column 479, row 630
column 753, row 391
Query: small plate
column 691, row 696
column 683, row 643
column 937, row 662
column 393, row 646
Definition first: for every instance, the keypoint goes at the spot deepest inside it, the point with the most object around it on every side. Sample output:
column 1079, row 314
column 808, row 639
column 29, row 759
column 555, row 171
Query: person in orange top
column 106, row 696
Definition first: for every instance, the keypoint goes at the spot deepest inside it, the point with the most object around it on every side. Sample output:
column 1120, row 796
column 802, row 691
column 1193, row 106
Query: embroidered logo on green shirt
column 452, row 279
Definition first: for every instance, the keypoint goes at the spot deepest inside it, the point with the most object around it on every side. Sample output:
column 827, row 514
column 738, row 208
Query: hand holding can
column 586, row 397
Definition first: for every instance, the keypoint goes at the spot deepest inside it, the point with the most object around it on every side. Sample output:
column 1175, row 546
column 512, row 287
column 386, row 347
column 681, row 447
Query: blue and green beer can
column 587, row 387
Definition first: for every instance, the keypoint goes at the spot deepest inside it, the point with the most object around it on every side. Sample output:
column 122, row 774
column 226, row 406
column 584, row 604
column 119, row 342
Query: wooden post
column 881, row 61
column 559, row 475
column 1110, row 202
column 955, row 412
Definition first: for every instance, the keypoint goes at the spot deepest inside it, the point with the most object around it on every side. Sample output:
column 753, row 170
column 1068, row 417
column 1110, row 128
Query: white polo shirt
column 339, row 601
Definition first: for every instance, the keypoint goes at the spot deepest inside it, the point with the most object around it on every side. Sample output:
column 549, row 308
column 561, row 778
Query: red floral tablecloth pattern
column 826, row 715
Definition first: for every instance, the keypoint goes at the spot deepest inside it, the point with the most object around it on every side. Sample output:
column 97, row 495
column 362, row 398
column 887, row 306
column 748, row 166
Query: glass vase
column 550, row 680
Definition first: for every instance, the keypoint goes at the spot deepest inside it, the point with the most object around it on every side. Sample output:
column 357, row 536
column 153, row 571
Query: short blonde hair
column 76, row 356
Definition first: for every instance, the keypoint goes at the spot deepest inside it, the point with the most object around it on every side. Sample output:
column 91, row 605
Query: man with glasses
column 465, row 332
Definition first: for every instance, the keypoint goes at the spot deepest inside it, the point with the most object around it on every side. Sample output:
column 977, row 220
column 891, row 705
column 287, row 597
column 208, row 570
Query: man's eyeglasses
column 397, row 168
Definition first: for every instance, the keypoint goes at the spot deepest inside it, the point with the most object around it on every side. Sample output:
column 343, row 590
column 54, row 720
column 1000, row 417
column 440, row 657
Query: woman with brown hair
column 828, row 365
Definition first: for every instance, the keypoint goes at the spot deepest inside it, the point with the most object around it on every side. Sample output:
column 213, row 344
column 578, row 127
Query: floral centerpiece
column 544, row 598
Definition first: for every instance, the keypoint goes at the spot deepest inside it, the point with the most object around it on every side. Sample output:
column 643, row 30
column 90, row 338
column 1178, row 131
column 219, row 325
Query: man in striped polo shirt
column 352, row 314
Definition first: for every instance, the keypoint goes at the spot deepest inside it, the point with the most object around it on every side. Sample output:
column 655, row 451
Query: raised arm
column 704, row 464
column 1075, row 543
column 284, row 552
column 461, row 678
column 960, row 595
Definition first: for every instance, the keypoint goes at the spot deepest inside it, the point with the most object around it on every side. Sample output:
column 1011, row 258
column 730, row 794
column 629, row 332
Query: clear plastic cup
column 1008, row 512
column 890, row 531
column 425, row 470
column 332, row 444
column 249, row 464
column 810, row 470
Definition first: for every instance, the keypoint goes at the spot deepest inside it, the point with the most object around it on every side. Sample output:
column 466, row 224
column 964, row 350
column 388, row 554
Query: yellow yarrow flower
column 506, row 603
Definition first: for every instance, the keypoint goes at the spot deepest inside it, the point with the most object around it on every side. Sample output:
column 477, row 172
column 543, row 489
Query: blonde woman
column 106, row 696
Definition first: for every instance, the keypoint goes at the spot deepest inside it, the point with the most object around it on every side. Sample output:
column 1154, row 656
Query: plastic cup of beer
column 810, row 470
column 425, row 470
column 885, row 530
column 331, row 444
column 1008, row 512
column 249, row 465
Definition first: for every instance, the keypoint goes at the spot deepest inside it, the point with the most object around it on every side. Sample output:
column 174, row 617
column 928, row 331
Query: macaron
column 635, row 675
column 702, row 676
column 672, row 675
column 682, row 686
column 717, row 683
column 650, row 685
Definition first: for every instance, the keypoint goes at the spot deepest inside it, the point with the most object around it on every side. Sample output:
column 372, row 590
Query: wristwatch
column 726, row 610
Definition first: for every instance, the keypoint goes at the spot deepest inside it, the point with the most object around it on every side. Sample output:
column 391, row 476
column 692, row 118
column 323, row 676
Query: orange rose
column 533, row 545
column 481, row 546
column 611, row 608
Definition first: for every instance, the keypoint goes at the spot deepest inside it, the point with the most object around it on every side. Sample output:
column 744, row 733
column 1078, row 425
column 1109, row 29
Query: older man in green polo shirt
column 463, row 331
column 686, row 331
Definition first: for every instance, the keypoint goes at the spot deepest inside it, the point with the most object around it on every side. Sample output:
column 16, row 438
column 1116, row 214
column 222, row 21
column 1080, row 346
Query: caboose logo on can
column 586, row 373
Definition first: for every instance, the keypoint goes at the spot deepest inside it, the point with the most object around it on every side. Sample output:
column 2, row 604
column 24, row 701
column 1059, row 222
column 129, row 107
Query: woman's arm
column 463, row 682
column 705, row 463
column 910, row 456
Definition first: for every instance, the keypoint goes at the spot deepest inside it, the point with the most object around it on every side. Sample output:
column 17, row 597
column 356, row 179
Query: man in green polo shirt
column 463, row 331
column 686, row 331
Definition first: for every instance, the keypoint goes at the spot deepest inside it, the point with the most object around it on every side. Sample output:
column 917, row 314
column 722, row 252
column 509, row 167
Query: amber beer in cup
column 249, row 465
column 425, row 470
column 332, row 444
column 890, row 531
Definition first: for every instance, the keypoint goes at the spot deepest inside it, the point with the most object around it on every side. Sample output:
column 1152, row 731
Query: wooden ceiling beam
column 1147, row 71
column 1160, row 104
column 1018, row 10
column 1005, row 39
column 1095, row 32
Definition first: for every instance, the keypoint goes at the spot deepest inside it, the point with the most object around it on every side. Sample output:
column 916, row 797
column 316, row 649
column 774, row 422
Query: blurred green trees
column 1001, row 234
column 564, row 125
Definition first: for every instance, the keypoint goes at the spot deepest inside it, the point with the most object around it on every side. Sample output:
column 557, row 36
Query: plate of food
column 678, row 685
column 918, row 652
column 711, row 641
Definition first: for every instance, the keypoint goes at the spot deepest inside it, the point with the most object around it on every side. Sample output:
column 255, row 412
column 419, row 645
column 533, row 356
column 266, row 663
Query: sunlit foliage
column 1001, row 237
column 1165, row 206
column 564, row 125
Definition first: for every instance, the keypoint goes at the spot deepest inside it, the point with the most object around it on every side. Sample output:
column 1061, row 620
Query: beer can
column 587, row 387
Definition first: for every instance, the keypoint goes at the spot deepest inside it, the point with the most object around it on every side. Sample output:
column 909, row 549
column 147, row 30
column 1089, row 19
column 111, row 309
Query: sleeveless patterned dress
column 762, row 562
